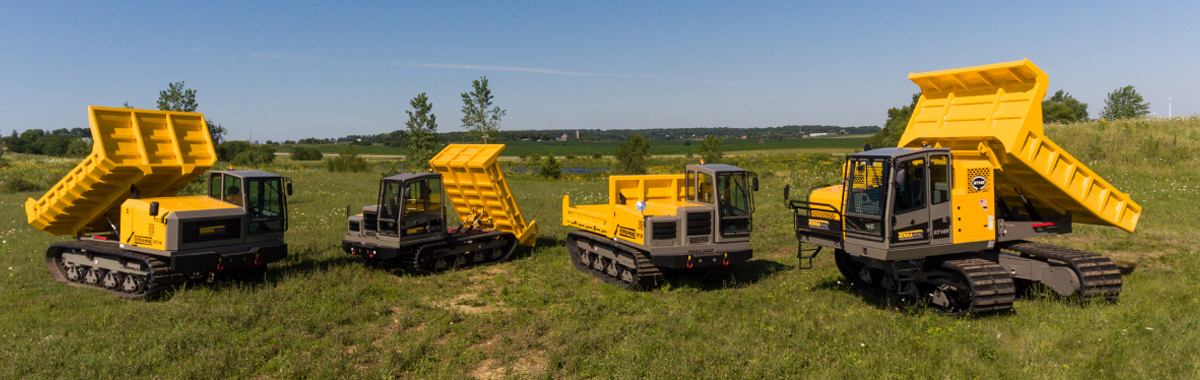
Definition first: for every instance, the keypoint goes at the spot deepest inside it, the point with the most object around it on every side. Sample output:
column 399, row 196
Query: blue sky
column 288, row 70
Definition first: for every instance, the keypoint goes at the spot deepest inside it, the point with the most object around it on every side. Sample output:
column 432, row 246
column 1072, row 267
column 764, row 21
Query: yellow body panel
column 158, row 151
column 831, row 195
column 972, row 211
column 996, row 111
column 140, row 229
column 663, row 194
column 474, row 184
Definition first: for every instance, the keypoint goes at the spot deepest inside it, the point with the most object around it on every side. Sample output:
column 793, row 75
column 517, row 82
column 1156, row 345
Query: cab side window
column 214, row 186
column 233, row 190
column 910, row 194
column 939, row 176
column 690, row 186
column 705, row 189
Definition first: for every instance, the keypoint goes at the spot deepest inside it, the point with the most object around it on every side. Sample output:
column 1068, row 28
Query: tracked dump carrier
column 947, row 213
column 408, row 224
column 132, row 236
column 698, row 221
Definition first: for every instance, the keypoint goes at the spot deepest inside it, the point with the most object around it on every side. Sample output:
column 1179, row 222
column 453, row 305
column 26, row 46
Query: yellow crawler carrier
column 697, row 221
column 133, row 237
column 946, row 213
column 408, row 223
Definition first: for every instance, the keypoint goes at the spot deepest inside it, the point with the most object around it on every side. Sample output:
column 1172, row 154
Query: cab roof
column 247, row 173
column 896, row 152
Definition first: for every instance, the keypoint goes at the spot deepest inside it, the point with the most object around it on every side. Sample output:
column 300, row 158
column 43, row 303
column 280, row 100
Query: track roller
column 614, row 263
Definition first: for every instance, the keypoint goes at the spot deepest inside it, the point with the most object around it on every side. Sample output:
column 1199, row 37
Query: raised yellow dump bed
column 996, row 111
column 475, row 184
column 158, row 151
column 663, row 194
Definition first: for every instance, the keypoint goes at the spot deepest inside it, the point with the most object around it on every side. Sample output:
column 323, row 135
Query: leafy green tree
column 176, row 98
column 631, row 156
column 710, row 149
column 422, row 132
column 179, row 99
column 255, row 155
column 1124, row 103
column 217, row 132
column 347, row 162
column 1063, row 108
column 306, row 153
column 227, row 151
column 479, row 117
column 897, row 122
column 549, row 168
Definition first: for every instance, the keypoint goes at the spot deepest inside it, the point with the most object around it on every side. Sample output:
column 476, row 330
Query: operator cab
column 410, row 206
column 728, row 188
column 898, row 197
column 263, row 195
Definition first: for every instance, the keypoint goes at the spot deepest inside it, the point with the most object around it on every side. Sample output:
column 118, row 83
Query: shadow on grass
column 298, row 262
column 743, row 274
column 878, row 300
column 892, row 302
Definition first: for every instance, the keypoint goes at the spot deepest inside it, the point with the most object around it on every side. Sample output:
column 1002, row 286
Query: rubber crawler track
column 645, row 276
column 991, row 288
column 1099, row 277
column 160, row 278
column 412, row 260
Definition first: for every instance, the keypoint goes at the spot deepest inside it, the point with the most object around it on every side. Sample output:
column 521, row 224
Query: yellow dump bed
column 996, row 110
column 474, row 183
column 663, row 194
column 159, row 151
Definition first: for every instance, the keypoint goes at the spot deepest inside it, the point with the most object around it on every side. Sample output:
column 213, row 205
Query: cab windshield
column 735, row 203
column 865, row 201
column 264, row 196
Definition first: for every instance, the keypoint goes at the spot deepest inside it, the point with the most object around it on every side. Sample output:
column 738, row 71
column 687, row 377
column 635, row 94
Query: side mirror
column 407, row 193
column 754, row 183
column 289, row 189
column 787, row 190
column 899, row 180
column 153, row 208
column 641, row 206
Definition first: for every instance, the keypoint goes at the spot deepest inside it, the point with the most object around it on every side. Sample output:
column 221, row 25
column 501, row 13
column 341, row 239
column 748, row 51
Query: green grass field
column 608, row 148
column 323, row 314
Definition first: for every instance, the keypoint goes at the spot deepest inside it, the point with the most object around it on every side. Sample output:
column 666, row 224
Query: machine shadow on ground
column 746, row 273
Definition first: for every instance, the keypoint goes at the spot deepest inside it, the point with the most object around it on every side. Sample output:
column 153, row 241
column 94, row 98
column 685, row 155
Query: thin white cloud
column 461, row 66
column 497, row 68
column 539, row 70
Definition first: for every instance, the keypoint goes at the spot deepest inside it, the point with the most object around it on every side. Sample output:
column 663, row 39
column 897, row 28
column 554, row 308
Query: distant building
column 817, row 134
column 563, row 138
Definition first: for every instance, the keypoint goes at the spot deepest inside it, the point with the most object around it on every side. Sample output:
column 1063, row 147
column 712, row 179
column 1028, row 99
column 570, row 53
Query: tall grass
column 323, row 314
column 1138, row 142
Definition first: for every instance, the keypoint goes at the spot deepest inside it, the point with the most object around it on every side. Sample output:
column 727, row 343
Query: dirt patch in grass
column 468, row 303
column 531, row 364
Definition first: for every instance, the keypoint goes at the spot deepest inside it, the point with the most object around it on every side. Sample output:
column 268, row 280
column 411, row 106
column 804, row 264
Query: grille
column 354, row 226
column 210, row 230
column 699, row 223
column 702, row 251
column 263, row 227
column 664, row 231
column 973, row 174
column 370, row 220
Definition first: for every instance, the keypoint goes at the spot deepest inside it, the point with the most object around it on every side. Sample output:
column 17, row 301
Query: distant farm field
column 323, row 314
column 608, row 148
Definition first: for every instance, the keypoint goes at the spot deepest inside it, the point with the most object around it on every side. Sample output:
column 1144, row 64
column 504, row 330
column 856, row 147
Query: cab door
column 422, row 213
column 910, row 202
column 940, row 220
